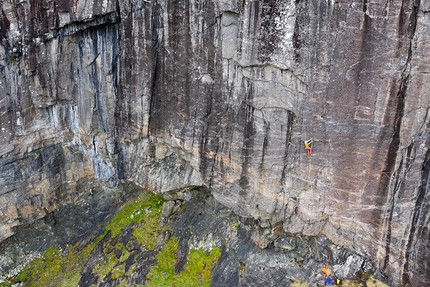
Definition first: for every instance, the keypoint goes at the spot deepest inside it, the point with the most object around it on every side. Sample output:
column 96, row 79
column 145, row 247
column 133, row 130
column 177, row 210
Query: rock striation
column 221, row 93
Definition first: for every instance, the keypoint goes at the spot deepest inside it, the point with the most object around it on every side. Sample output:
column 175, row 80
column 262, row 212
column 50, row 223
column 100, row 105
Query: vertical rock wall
column 223, row 94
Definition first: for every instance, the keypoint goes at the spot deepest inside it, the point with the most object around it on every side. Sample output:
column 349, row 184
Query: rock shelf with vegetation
column 133, row 243
column 181, row 238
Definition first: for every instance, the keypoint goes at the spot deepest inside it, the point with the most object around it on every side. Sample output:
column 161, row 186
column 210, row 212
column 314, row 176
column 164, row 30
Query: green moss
column 136, row 211
column 65, row 269
column 125, row 254
column 200, row 265
column 72, row 280
column 52, row 266
column 196, row 273
column 118, row 271
column 351, row 283
column 103, row 267
column 41, row 270
column 163, row 273
column 143, row 216
column 294, row 119
column 299, row 283
column 146, row 233
column 115, row 248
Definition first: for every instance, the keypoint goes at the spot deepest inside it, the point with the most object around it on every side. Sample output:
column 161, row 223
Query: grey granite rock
column 221, row 93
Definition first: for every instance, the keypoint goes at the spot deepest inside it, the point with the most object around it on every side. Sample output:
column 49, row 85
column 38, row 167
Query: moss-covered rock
column 196, row 273
column 201, row 244
column 122, row 255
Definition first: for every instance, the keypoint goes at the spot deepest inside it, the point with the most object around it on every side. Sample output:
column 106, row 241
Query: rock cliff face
column 223, row 93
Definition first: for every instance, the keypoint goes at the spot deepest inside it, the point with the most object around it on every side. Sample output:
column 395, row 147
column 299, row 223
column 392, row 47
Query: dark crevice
column 157, row 23
column 389, row 210
column 394, row 146
column 247, row 117
column 206, row 146
column 364, row 6
column 114, row 65
column 94, row 144
column 298, row 32
column 4, row 29
column 390, row 165
column 153, row 91
column 418, row 210
column 74, row 27
column 203, row 147
column 120, row 166
column 247, row 149
column 265, row 145
column 291, row 118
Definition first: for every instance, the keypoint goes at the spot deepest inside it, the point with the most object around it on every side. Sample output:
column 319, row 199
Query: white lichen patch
column 26, row 260
column 207, row 244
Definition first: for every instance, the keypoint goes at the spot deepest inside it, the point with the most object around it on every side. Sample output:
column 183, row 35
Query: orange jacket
column 326, row 271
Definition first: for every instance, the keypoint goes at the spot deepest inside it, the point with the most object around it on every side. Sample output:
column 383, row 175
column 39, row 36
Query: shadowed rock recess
column 222, row 94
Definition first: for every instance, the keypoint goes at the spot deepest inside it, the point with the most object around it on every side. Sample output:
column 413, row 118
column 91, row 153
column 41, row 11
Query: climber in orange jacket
column 326, row 271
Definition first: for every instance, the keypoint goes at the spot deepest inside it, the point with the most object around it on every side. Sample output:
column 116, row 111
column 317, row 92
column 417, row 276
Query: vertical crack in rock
column 154, row 105
column 418, row 213
column 253, row 16
column 4, row 29
column 247, row 115
column 206, row 161
column 289, row 133
column 297, row 35
column 116, row 41
column 266, row 140
column 120, row 162
column 364, row 6
column 392, row 176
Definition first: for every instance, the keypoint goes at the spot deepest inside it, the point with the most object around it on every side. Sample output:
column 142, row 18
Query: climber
column 308, row 146
column 91, row 192
column 325, row 271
